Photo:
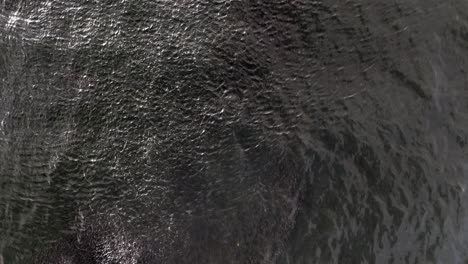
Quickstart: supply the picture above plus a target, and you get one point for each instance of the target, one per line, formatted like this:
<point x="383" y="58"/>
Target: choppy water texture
<point x="153" y="131"/>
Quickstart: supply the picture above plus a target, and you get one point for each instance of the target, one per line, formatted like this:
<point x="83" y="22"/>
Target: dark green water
<point x="140" y="132"/>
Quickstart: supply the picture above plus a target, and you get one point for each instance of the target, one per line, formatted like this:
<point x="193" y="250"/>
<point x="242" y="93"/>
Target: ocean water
<point x="289" y="132"/>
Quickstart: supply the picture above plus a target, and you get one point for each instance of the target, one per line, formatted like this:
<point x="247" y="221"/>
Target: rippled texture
<point x="140" y="132"/>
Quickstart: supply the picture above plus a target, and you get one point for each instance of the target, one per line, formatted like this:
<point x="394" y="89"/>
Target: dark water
<point x="233" y="131"/>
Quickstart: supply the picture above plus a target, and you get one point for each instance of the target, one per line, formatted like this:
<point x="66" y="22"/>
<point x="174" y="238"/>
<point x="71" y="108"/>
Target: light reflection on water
<point x="256" y="132"/>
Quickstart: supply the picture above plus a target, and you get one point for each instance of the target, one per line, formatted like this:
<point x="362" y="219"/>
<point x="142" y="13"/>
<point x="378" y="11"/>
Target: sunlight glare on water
<point x="289" y="132"/>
